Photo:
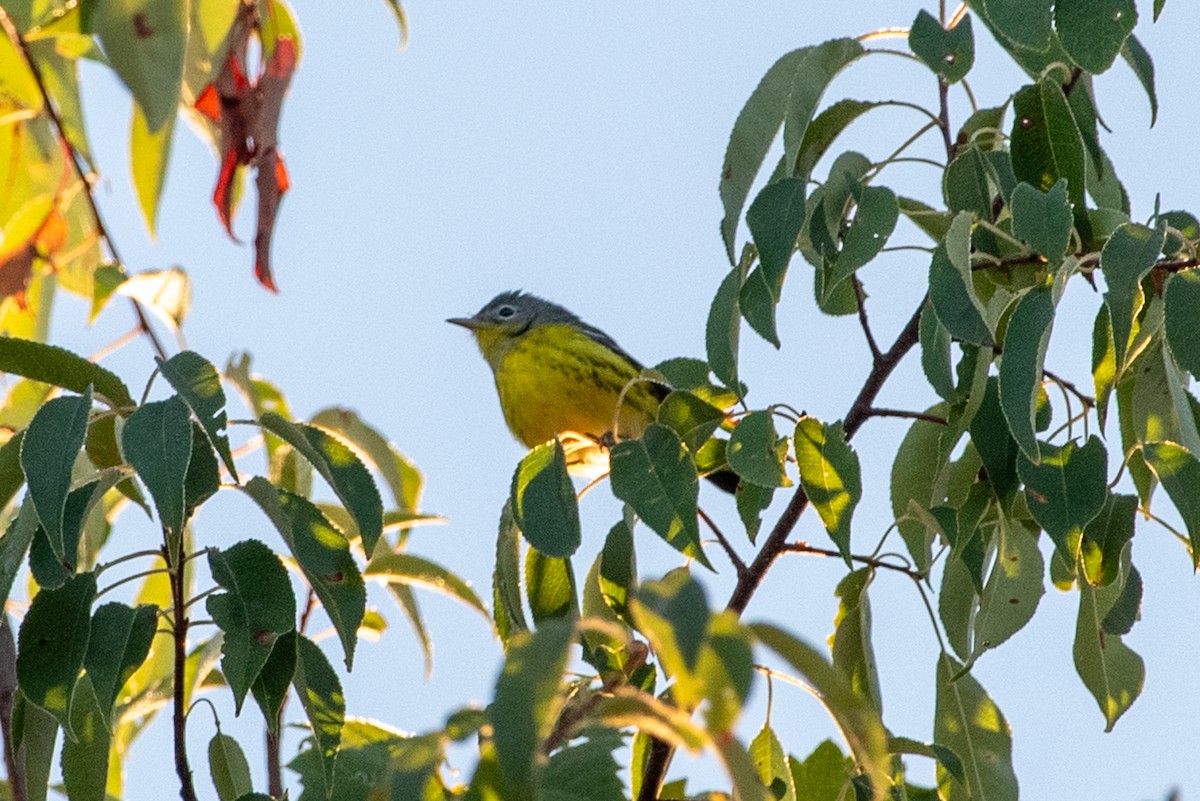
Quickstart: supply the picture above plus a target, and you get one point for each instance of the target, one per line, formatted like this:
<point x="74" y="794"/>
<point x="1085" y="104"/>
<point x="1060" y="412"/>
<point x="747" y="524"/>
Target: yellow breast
<point x="555" y="379"/>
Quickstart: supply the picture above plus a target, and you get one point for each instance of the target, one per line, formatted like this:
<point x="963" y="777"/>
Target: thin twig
<point x="875" y="411"/>
<point x="738" y="565"/>
<point x="860" y="300"/>
<point x="74" y="158"/>
<point x="804" y="547"/>
<point x="187" y="789"/>
<point x="944" y="118"/>
<point x="1085" y="399"/>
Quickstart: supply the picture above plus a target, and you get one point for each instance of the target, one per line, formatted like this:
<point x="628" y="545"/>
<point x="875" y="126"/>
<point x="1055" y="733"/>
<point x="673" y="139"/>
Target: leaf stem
<point x="134" y="577"/>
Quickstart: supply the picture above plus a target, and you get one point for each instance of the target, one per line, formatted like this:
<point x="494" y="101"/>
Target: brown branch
<point x="860" y="300"/>
<point x="738" y="565"/>
<point x="179" y="630"/>
<point x="875" y="411"/>
<point x="1086" y="400"/>
<point x="944" y="119"/>
<point x="13" y="762"/>
<point x="73" y="157"/>
<point x="804" y="547"/>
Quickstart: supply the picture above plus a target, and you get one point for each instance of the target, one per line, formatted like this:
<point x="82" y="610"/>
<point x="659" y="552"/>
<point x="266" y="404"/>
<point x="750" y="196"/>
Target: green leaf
<point x="149" y="153"/>
<point x="257" y="607"/>
<point x="1094" y="31"/>
<point x="656" y="476"/>
<point x="932" y="222"/>
<point x="527" y="702"/>
<point x="320" y="693"/>
<point x="752" y="500"/>
<point x="874" y="220"/>
<point x="14" y="545"/>
<point x="1138" y="58"/>
<point x="52" y="644"/>
<point x="1110" y="669"/>
<point x="1182" y="320"/>
<point x="270" y="689"/>
<point x="851" y="646"/>
<point x="992" y="440"/>
<point x="935" y="353"/>
<point x="543" y="501"/>
<point x="506" y="578"/>
<point x="831" y="477"/>
<point x="756" y="452"/>
<point x="692" y="418"/>
<point x="1014" y="588"/>
<point x="918" y="476"/>
<point x="722" y="330"/>
<point x="48" y="452"/>
<point x="49" y="570"/>
<point x="618" y="569"/>
<point x="550" y="588"/>
<point x="772" y="765"/>
<point x="145" y="41"/>
<point x="1043" y="219"/>
<point x="403" y="568"/>
<point x="399" y="473"/>
<point x="854" y="715"/>
<point x="1066" y="490"/>
<point x="1126" y="258"/>
<point x="967" y="721"/>
<point x="401" y="20"/>
<point x="323" y="555"/>
<point x="1179" y="472"/>
<point x="775" y="219"/>
<point x="1158" y="7"/>
<point x="157" y="441"/>
<point x="34" y="734"/>
<point x="584" y="770"/>
<point x="1104" y="362"/>
<point x="341" y="467"/>
<point x="965" y="184"/>
<point x="823" y="130"/>
<point x="228" y="768"/>
<point x="1022" y="23"/>
<point x="952" y="289"/>
<point x="62" y="368"/>
<point x="1046" y="144"/>
<point x="1104" y="539"/>
<point x="673" y="615"/>
<point x="786" y="96"/>
<point x="949" y="53"/>
<point x="198" y="383"/>
<point x="85" y="755"/>
<point x="823" y="774"/>
<point x="1020" y="381"/>
<point x="119" y="643"/>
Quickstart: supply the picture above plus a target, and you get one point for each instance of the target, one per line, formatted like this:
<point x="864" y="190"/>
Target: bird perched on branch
<point x="557" y="376"/>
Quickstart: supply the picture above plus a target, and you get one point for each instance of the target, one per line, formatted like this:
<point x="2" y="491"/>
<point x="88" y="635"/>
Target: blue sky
<point x="573" y="150"/>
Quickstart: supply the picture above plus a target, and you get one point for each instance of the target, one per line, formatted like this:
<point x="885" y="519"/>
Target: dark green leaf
<point x="752" y="500"/>
<point x="1046" y="144"/>
<point x="48" y="453"/>
<point x="656" y="476"/>
<point x="257" y="607"/>
<point x="320" y="693"/>
<point x="404" y="568"/>
<point x="1127" y="609"/>
<point x="197" y="382"/>
<point x="12" y="477"/>
<point x="1104" y="539"/>
<point x="34" y="734"/>
<point x="1066" y="490"/>
<point x="775" y="219"/>
<point x="722" y="330"/>
<point x="757" y="305"/>
<point x="965" y="184"/>
<point x="1014" y="588"/>
<point x="401" y="476"/>
<point x="1025" y="343"/>
<point x="228" y="768"/>
<point x="14" y="545"/>
<point x="584" y="770"/>
<point x="995" y="445"/>
<point x="684" y="373"/>
<point x="693" y="419"/>
<point x="1094" y="31"/>
<point x="62" y="368"/>
<point x="673" y="614"/>
<point x="932" y="222"/>
<point x="323" y="555"/>
<point x="1182" y="320"/>
<point x="618" y="569"/>
<point x="949" y="53"/>
<point x="145" y="43"/>
<point x="874" y="220"/>
<point x="1143" y="67"/>
<point x="543" y="501"/>
<point x="506" y="579"/>
<point x="952" y="289"/>
<point x="527" y="702"/>
<point x="1127" y="256"/>
<point x="824" y="129"/>
<point x="1179" y="472"/>
<point x="968" y="722"/>
<point x="85" y="755"/>
<point x="157" y="441"/>
<point x="341" y="467"/>
<point x="831" y="477"/>
<point x="53" y="642"/>
<point x="1043" y="219"/>
<point x="270" y="689"/>
<point x="916" y="478"/>
<point x="935" y="353"/>
<point x="756" y="452"/>
<point x="1158" y="7"/>
<point x="1110" y="669"/>
<point x="550" y="588"/>
<point x="119" y="644"/>
<point x="49" y="570"/>
<point x="787" y="95"/>
<point x="851" y="648"/>
<point x="1022" y="23"/>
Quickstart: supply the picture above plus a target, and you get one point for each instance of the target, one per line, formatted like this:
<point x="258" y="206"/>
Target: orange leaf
<point x="209" y="103"/>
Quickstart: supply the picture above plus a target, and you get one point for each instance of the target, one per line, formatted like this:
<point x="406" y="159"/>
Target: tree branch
<point x="179" y="630"/>
<point x="804" y="547"/>
<point x="928" y="418"/>
<point x="860" y="300"/>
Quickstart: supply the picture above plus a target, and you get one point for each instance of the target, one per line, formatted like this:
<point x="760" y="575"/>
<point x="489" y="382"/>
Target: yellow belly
<point x="557" y="380"/>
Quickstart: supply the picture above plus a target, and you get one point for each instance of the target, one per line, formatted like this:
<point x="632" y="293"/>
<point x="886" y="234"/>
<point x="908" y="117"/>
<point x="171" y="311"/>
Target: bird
<point x="557" y="376"/>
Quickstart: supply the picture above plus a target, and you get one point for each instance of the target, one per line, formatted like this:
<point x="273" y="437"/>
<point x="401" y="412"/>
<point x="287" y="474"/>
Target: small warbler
<point x="557" y="376"/>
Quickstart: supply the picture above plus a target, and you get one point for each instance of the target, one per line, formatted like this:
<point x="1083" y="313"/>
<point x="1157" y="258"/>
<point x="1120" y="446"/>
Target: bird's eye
<point x="505" y="312"/>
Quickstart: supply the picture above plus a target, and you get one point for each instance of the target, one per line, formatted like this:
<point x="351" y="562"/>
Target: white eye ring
<point x="505" y="312"/>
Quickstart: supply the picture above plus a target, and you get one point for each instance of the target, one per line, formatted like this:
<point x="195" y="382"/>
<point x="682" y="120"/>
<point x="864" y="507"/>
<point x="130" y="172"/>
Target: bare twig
<point x="738" y="565"/>
<point x="875" y="411"/>
<point x="860" y="300"/>
<point x="14" y="765"/>
<point x="179" y="631"/>
<point x="1085" y="399"/>
<point x="872" y="561"/>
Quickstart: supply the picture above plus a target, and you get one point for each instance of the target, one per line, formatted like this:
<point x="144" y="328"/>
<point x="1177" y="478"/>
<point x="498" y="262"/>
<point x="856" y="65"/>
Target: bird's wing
<point x="596" y="335"/>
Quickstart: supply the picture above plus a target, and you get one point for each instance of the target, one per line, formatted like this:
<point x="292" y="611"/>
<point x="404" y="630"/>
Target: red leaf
<point x="208" y="103"/>
<point x="223" y="194"/>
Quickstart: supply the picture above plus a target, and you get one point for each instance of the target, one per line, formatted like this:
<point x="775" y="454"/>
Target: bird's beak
<point x="472" y="323"/>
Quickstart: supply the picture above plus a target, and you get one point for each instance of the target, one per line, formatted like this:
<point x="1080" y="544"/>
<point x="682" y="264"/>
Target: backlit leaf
<point x="1025" y="343"/>
<point x="1043" y="219"/>
<point x="756" y="452"/>
<point x="53" y="642"/>
<point x="198" y="383"/>
<point x="1066" y="490"/>
<point x="145" y="41"/>
<point x="967" y="721"/>
<point x="1127" y="256"/>
<point x="831" y="477"/>
<point x="320" y="693"/>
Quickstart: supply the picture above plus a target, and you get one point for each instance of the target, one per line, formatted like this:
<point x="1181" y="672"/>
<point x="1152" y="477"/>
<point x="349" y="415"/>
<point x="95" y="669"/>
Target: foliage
<point x="607" y="662"/>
